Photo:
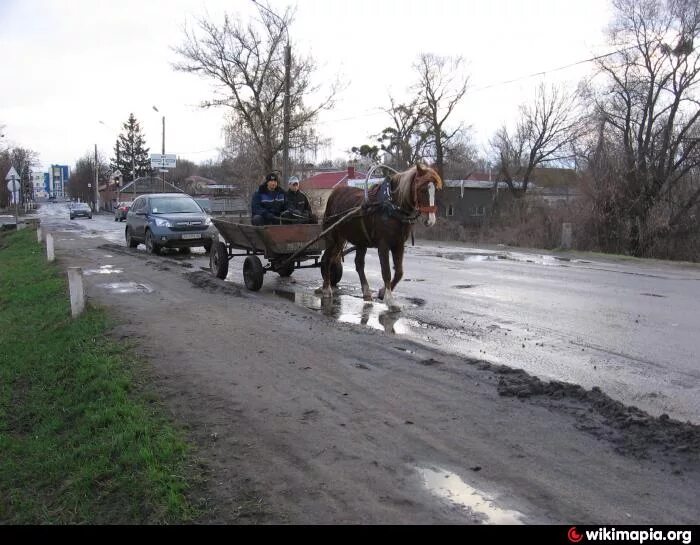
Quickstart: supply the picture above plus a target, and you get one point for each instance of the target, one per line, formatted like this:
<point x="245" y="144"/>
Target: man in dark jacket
<point x="268" y="202"/>
<point x="297" y="208"/>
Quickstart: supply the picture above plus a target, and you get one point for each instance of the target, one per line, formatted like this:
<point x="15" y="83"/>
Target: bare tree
<point x="650" y="142"/>
<point x="247" y="62"/>
<point x="404" y="141"/>
<point x="543" y="135"/>
<point x="83" y="176"/>
<point x="24" y="159"/>
<point x="440" y="87"/>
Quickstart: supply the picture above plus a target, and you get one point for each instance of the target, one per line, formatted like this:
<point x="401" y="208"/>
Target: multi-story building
<point x="38" y="180"/>
<point x="56" y="180"/>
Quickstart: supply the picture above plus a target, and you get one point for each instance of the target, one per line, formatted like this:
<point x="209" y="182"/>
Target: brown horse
<point x="383" y="221"/>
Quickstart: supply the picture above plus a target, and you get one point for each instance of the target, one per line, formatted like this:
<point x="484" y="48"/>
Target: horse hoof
<point x="318" y="291"/>
<point x="380" y="294"/>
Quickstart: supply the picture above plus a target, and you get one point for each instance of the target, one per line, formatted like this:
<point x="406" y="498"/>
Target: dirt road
<point x="300" y="419"/>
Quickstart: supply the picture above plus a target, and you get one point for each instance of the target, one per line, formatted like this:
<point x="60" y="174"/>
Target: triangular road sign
<point x="12" y="174"/>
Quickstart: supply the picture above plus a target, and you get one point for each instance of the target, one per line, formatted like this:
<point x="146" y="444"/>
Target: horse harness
<point x="386" y="206"/>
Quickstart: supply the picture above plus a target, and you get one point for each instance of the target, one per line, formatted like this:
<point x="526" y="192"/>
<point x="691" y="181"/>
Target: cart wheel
<point x="287" y="270"/>
<point x="218" y="260"/>
<point x="253" y="273"/>
<point x="336" y="272"/>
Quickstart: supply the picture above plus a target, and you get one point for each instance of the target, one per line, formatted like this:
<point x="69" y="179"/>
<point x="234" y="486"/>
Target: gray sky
<point x="69" y="64"/>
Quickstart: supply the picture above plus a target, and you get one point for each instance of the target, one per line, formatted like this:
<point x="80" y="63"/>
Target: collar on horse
<point x="385" y="203"/>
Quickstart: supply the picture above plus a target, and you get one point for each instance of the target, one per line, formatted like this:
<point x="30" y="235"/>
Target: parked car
<point x="121" y="210"/>
<point x="80" y="209"/>
<point x="168" y="220"/>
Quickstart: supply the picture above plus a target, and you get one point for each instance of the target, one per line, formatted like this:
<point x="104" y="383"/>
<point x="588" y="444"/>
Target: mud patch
<point x="416" y="301"/>
<point x="632" y="431"/>
<point x="206" y="281"/>
<point x="653" y="295"/>
<point x="464" y="286"/>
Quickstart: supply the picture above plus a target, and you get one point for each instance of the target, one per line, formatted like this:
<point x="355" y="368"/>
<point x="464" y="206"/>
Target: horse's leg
<point x="360" y="253"/>
<point x="385" y="292"/>
<point x="331" y="255"/>
<point x="397" y="256"/>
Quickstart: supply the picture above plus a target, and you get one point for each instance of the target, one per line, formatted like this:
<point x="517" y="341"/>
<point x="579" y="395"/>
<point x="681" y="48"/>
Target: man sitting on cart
<point x="297" y="208"/>
<point x="268" y="202"/>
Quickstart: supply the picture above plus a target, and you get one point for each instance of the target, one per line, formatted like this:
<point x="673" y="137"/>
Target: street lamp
<point x="163" y="152"/>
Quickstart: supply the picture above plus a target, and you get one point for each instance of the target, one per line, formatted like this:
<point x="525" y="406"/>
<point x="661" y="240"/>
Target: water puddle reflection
<point x="449" y="486"/>
<point x="351" y="310"/>
<point x="127" y="287"/>
<point x="104" y="269"/>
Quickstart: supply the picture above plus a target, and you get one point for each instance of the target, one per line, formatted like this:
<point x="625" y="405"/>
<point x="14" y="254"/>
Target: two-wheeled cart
<point x="285" y="247"/>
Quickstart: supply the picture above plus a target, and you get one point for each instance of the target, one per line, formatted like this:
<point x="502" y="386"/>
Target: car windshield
<point x="174" y="205"/>
<point x="81" y="206"/>
<point x="125" y="204"/>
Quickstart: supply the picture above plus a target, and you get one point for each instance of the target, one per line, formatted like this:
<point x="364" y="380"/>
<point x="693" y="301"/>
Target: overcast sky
<point x="69" y="64"/>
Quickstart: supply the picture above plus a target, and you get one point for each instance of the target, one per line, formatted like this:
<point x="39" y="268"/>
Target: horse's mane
<point x="403" y="186"/>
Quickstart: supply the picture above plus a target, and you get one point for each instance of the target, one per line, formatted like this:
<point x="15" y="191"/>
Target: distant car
<point x="168" y="220"/>
<point x="80" y="209"/>
<point x="121" y="210"/>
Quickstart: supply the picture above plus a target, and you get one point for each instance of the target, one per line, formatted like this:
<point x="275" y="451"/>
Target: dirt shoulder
<point x="300" y="419"/>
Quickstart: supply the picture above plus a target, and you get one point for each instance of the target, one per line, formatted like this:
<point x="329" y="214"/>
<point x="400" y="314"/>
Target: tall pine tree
<point x="131" y="144"/>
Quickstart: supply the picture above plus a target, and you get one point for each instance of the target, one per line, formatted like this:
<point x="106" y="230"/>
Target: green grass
<point x="82" y="441"/>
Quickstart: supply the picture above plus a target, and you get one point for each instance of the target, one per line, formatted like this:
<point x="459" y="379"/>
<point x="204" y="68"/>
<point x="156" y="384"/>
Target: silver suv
<point x="168" y="220"/>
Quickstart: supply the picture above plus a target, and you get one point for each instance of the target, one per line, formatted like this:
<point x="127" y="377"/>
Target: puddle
<point x="351" y="310"/>
<point x="104" y="269"/>
<point x="449" y="486"/>
<point x="127" y="287"/>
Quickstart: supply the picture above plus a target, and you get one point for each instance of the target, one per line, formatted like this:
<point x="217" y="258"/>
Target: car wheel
<point x="72" y="218"/>
<point x="116" y="219"/>
<point x="253" y="273"/>
<point x="185" y="250"/>
<point x="151" y="244"/>
<point x="218" y="260"/>
<point x="130" y="242"/>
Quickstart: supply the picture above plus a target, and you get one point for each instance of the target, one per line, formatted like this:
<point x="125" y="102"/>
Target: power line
<point x="491" y="85"/>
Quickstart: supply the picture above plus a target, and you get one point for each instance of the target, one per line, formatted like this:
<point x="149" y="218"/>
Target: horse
<point x="383" y="221"/>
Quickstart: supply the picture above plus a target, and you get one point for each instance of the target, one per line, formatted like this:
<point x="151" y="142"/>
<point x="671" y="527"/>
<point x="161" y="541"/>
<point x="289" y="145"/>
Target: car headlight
<point x="207" y="221"/>
<point x="160" y="222"/>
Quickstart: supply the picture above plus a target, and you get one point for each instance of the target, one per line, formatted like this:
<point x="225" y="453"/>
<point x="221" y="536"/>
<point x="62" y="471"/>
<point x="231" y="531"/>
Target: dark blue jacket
<point x="268" y="204"/>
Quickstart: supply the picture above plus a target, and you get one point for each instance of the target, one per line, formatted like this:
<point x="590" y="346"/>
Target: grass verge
<point x="81" y="442"/>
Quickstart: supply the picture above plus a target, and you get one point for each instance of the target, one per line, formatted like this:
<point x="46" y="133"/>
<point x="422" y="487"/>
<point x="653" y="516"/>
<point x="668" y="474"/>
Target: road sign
<point x="168" y="160"/>
<point x="13" y="180"/>
<point x="13" y="186"/>
<point x="11" y="174"/>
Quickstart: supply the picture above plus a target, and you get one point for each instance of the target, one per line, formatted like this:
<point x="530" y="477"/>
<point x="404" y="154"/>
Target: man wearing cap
<point x="268" y="202"/>
<point x="297" y="208"/>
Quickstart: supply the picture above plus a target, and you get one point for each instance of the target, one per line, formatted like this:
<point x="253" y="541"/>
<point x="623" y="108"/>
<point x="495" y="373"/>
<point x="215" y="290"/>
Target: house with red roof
<point x="319" y="186"/>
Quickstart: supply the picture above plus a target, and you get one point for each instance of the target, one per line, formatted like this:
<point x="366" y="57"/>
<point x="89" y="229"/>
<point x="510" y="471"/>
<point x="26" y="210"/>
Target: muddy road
<point x="300" y="415"/>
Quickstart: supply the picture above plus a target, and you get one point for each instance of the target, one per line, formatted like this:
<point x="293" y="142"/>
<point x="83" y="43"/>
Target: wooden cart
<point x="285" y="247"/>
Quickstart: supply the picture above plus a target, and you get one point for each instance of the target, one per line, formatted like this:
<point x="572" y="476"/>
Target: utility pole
<point x="287" y="77"/>
<point x="97" y="189"/>
<point x="163" y="152"/>
<point x="287" y="85"/>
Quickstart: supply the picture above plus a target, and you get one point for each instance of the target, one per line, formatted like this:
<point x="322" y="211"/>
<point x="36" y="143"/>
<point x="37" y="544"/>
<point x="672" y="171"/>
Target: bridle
<point x="431" y="207"/>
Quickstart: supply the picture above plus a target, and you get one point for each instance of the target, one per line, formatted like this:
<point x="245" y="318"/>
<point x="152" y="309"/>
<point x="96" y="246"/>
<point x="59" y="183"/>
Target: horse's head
<point x="425" y="182"/>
